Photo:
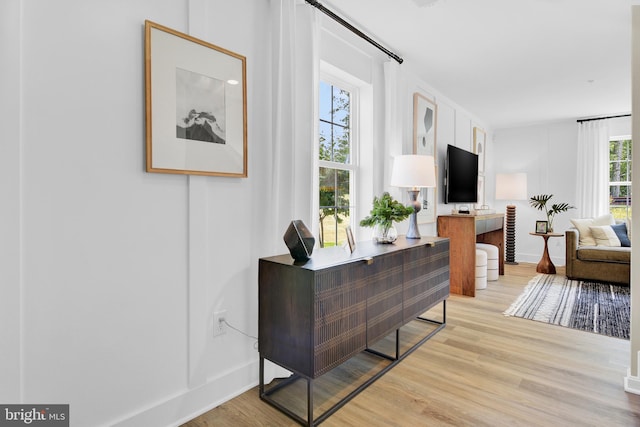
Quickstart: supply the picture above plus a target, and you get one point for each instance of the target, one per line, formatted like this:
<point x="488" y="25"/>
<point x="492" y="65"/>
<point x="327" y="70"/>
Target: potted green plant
<point x="540" y="202"/>
<point x="386" y="210"/>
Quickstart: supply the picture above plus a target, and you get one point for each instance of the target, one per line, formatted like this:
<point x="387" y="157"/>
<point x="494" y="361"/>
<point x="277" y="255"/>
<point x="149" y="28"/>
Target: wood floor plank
<point x="482" y="369"/>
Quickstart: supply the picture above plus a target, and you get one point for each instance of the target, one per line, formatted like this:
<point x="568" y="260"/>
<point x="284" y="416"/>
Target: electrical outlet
<point x="219" y="325"/>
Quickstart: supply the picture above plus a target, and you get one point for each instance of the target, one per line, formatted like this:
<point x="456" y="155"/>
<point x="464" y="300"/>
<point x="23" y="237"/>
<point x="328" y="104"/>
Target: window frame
<point x="629" y="183"/>
<point x="353" y="165"/>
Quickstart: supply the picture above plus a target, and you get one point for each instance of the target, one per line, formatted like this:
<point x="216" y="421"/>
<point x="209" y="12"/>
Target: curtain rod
<point x="353" y="29"/>
<point x="603" y="118"/>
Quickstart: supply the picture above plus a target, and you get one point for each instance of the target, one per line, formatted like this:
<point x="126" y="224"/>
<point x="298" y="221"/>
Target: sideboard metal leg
<point x="310" y="402"/>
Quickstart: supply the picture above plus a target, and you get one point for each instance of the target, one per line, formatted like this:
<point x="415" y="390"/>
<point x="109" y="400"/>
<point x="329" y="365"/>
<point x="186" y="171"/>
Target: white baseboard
<point x="185" y="406"/>
<point x="631" y="383"/>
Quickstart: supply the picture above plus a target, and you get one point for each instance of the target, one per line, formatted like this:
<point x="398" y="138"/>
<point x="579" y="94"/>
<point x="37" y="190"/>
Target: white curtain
<point x="592" y="198"/>
<point x="392" y="126"/>
<point x="295" y="81"/>
<point x="295" y="74"/>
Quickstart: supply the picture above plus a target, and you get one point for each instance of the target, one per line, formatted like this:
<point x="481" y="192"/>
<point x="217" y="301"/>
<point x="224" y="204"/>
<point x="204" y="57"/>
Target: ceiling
<point x="509" y="62"/>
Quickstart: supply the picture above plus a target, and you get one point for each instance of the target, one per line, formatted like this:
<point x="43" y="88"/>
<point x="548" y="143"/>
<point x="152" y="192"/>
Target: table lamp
<point x="510" y="187"/>
<point x="414" y="172"/>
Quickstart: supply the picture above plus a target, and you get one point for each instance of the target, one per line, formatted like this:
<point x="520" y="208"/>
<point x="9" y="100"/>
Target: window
<point x="337" y="166"/>
<point x="620" y="177"/>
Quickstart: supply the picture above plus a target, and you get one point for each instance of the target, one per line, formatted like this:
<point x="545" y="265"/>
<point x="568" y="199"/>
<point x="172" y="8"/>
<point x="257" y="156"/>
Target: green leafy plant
<point x="385" y="211"/>
<point x="540" y="202"/>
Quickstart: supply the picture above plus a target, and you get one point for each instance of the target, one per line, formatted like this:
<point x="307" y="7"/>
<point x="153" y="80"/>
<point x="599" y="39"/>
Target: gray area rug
<point x="601" y="308"/>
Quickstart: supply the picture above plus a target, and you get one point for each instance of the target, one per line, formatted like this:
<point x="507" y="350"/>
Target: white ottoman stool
<point x="492" y="260"/>
<point x="481" y="269"/>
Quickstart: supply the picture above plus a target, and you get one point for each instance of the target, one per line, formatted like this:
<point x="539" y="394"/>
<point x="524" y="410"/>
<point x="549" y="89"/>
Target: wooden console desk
<point x="463" y="232"/>
<point x="315" y="315"/>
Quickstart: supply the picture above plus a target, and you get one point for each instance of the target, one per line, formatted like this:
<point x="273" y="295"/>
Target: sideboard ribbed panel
<point x="426" y="278"/>
<point x="340" y="316"/>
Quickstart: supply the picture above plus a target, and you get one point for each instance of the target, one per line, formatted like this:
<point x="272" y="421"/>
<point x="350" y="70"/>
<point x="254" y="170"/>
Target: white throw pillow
<point x="604" y="235"/>
<point x="586" y="238"/>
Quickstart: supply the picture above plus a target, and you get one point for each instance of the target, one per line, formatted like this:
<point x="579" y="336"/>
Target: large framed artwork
<point x="196" y="105"/>
<point x="479" y="147"/>
<point x="425" y="114"/>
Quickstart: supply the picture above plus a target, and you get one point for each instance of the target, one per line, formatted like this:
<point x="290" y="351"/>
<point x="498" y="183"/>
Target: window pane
<point x="340" y="145"/>
<point x="327" y="185"/>
<point x="620" y="194"/>
<point x="334" y="124"/>
<point x="334" y="146"/>
<point x="342" y="180"/>
<point x="334" y="206"/>
<point x="341" y="107"/>
<point x="327" y="227"/>
<point x="615" y="150"/>
<point x="326" y="140"/>
<point x="325" y="101"/>
<point x="615" y="171"/>
<point x="620" y="175"/>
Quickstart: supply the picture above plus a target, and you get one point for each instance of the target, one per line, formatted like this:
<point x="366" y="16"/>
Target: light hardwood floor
<point x="482" y="369"/>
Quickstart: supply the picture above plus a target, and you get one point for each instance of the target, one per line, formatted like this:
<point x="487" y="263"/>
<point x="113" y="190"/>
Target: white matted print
<point x="425" y="115"/>
<point x="196" y="107"/>
<point x="480" y="147"/>
<point x="428" y="200"/>
<point x="481" y="192"/>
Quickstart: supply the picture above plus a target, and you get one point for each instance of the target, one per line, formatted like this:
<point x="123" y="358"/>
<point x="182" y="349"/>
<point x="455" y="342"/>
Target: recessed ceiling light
<point x="233" y="82"/>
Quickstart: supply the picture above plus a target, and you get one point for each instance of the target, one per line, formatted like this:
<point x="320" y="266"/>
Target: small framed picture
<point x="350" y="240"/>
<point x="541" y="227"/>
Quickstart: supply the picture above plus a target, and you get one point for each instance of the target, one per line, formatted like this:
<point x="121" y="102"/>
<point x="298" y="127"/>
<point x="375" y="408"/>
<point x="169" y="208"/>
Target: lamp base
<point x="510" y="247"/>
<point x="414" y="232"/>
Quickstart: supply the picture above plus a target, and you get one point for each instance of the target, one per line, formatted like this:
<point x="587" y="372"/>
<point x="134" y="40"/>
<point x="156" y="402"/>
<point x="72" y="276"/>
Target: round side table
<point x="545" y="265"/>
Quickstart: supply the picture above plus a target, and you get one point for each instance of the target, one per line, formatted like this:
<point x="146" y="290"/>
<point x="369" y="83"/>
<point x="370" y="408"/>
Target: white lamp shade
<point x="511" y="186"/>
<point x="413" y="171"/>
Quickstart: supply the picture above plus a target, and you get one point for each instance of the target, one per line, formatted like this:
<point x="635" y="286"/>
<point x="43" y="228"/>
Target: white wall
<point x="97" y="293"/>
<point x="546" y="153"/>
<point x="110" y="275"/>
<point x="10" y="225"/>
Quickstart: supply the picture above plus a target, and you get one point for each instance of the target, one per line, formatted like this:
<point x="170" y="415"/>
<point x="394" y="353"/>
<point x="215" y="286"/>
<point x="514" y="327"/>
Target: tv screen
<point x="461" y="176"/>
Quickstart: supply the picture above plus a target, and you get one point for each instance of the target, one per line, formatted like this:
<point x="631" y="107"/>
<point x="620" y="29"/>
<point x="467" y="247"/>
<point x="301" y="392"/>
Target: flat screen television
<point x="461" y="176"/>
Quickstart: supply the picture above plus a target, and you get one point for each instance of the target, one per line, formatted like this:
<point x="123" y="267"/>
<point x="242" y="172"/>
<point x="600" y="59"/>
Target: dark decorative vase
<point x="299" y="240"/>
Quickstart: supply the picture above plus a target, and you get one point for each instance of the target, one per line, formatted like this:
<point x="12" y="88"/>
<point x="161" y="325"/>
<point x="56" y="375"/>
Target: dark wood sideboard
<point x="315" y="315"/>
<point x="464" y="231"/>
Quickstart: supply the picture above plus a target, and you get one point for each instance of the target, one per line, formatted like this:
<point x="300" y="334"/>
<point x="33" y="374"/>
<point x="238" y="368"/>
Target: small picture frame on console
<point x="350" y="240"/>
<point x="541" y="227"/>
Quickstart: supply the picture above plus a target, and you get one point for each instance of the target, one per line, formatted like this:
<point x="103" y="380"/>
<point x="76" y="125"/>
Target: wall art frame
<point x="480" y="147"/>
<point x="196" y="105"/>
<point x="425" y="124"/>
